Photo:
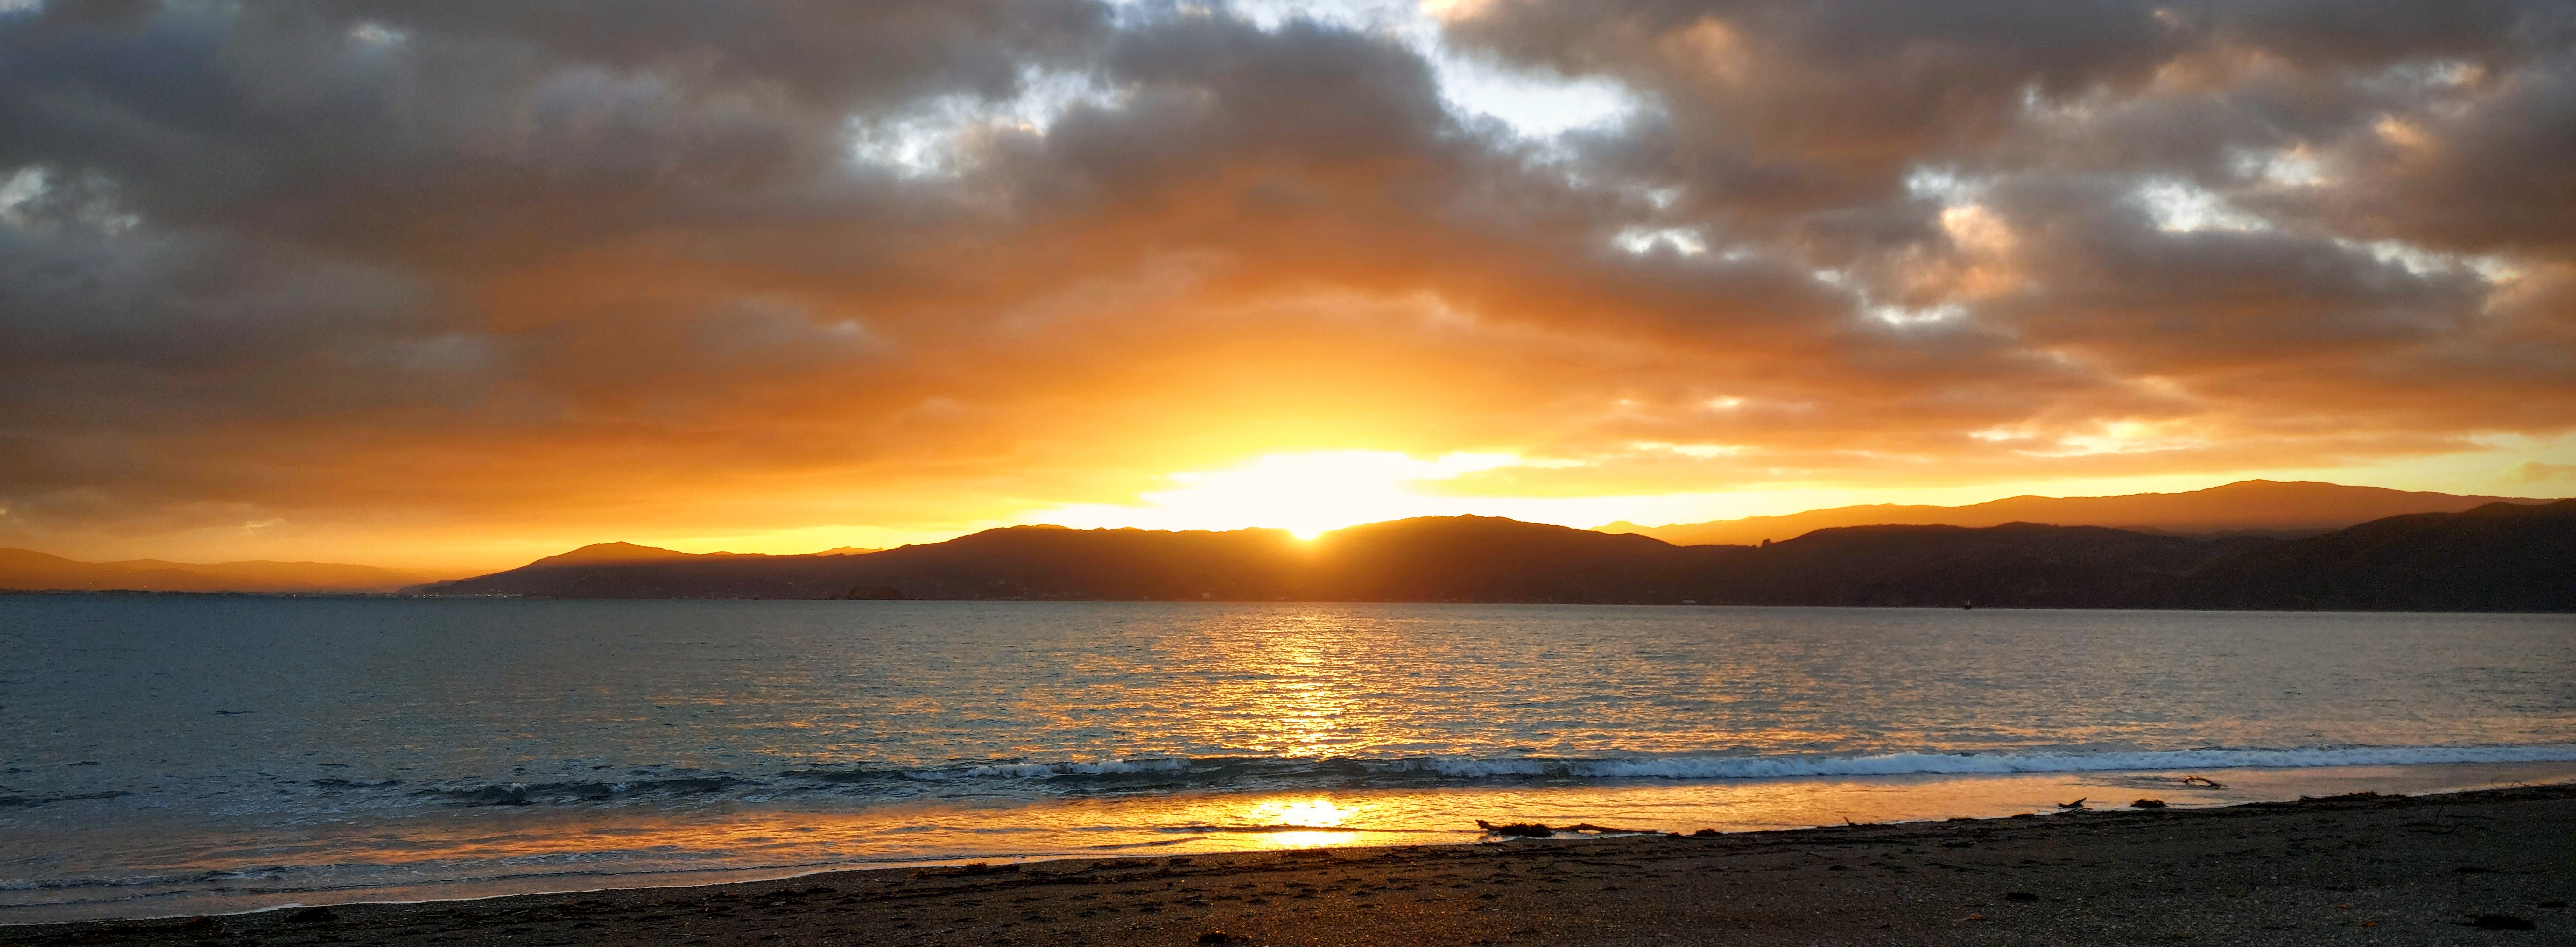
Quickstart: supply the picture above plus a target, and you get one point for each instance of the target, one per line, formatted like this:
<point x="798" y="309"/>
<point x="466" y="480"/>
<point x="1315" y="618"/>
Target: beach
<point x="2482" y="867"/>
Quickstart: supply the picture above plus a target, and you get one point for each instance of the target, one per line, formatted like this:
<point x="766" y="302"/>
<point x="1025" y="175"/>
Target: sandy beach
<point x="2486" y="867"/>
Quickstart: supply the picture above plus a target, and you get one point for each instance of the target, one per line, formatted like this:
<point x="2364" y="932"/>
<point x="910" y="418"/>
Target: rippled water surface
<point x="166" y="754"/>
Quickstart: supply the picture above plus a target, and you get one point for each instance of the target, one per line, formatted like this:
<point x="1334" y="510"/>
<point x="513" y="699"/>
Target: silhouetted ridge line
<point x="2249" y="507"/>
<point x="2497" y="557"/>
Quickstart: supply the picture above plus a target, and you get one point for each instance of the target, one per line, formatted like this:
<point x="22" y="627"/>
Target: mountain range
<point x="2495" y="557"/>
<point x="2248" y="507"/>
<point x="2255" y="544"/>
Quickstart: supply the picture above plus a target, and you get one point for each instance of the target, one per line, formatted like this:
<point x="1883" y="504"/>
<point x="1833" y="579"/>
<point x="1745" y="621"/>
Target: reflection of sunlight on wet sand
<point x="541" y="843"/>
<point x="1312" y="839"/>
<point x="487" y="851"/>
<point x="1309" y="813"/>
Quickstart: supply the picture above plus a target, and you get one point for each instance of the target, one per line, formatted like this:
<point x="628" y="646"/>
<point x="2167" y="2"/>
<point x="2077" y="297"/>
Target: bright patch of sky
<point x="939" y="136"/>
<point x="30" y="184"/>
<point x="25" y="184"/>
<point x="1888" y="313"/>
<point x="1686" y="241"/>
<point x="2287" y="167"/>
<point x="1915" y="315"/>
<point x="1944" y="184"/>
<point x="377" y="34"/>
<point x="1534" y="104"/>
<point x="2183" y="207"/>
<point x="2422" y="262"/>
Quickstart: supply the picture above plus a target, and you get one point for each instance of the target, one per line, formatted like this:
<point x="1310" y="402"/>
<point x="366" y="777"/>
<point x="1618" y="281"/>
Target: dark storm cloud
<point x="738" y="262"/>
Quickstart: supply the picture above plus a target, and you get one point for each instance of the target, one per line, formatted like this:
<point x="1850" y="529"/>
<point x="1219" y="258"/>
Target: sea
<point x="186" y="755"/>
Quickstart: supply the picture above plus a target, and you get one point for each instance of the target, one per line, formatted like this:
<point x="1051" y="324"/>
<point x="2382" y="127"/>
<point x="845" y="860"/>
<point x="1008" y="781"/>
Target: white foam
<point x="1762" y="767"/>
<point x="1044" y="770"/>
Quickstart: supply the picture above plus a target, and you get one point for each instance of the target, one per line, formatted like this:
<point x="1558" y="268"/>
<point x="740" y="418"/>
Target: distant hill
<point x="30" y="570"/>
<point x="2496" y="557"/>
<point x="2014" y="564"/>
<point x="597" y="553"/>
<point x="2261" y="507"/>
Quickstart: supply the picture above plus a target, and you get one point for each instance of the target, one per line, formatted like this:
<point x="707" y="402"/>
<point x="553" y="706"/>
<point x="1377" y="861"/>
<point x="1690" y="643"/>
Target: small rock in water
<point x="1517" y="829"/>
<point x="2148" y="804"/>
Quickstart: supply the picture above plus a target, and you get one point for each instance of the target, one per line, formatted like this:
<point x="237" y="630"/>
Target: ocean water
<point x="175" y="755"/>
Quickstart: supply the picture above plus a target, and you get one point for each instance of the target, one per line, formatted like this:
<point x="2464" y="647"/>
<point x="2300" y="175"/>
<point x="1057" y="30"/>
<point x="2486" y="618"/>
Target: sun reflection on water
<point x="1295" y="686"/>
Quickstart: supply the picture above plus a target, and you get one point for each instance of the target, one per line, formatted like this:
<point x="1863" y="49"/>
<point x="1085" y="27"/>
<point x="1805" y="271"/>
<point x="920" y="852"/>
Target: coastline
<point x="2007" y="607"/>
<point x="2365" y="869"/>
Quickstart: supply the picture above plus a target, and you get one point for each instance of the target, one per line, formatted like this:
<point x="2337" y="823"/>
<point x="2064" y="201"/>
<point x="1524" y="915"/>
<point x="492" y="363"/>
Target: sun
<point x="1307" y="494"/>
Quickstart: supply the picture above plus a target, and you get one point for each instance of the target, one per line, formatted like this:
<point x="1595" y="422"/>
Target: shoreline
<point x="2348" y="869"/>
<point x="516" y="597"/>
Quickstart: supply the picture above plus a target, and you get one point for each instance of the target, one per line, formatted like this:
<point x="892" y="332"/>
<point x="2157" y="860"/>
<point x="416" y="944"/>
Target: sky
<point x="450" y="286"/>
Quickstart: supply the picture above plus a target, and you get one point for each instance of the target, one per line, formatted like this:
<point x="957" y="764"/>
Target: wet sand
<point x="2464" y="868"/>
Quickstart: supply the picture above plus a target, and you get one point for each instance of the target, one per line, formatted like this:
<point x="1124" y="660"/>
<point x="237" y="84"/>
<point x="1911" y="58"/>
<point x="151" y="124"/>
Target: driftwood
<point x="2077" y="804"/>
<point x="2148" y="804"/>
<point x="2202" y="781"/>
<point x="1542" y="830"/>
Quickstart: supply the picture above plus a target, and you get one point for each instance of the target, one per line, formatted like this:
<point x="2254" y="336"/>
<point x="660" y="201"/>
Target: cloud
<point x="447" y="271"/>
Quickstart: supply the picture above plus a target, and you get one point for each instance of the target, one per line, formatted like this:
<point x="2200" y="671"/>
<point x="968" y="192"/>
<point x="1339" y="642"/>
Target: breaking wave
<point x="1253" y="773"/>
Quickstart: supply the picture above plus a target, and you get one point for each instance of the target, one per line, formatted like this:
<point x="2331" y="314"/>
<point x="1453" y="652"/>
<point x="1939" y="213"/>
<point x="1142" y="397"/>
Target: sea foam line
<point x="1892" y="764"/>
<point x="1762" y="767"/>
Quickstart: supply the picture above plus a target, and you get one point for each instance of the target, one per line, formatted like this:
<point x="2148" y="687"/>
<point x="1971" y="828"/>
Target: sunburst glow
<point x="1306" y="494"/>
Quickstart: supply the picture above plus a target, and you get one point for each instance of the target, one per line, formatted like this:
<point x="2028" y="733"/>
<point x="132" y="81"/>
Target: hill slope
<point x="2498" y="557"/>
<point x="2261" y="506"/>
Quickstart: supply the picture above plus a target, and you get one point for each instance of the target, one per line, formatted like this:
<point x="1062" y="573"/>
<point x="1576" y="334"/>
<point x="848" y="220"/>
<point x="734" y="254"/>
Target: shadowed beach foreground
<point x="2485" y="867"/>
